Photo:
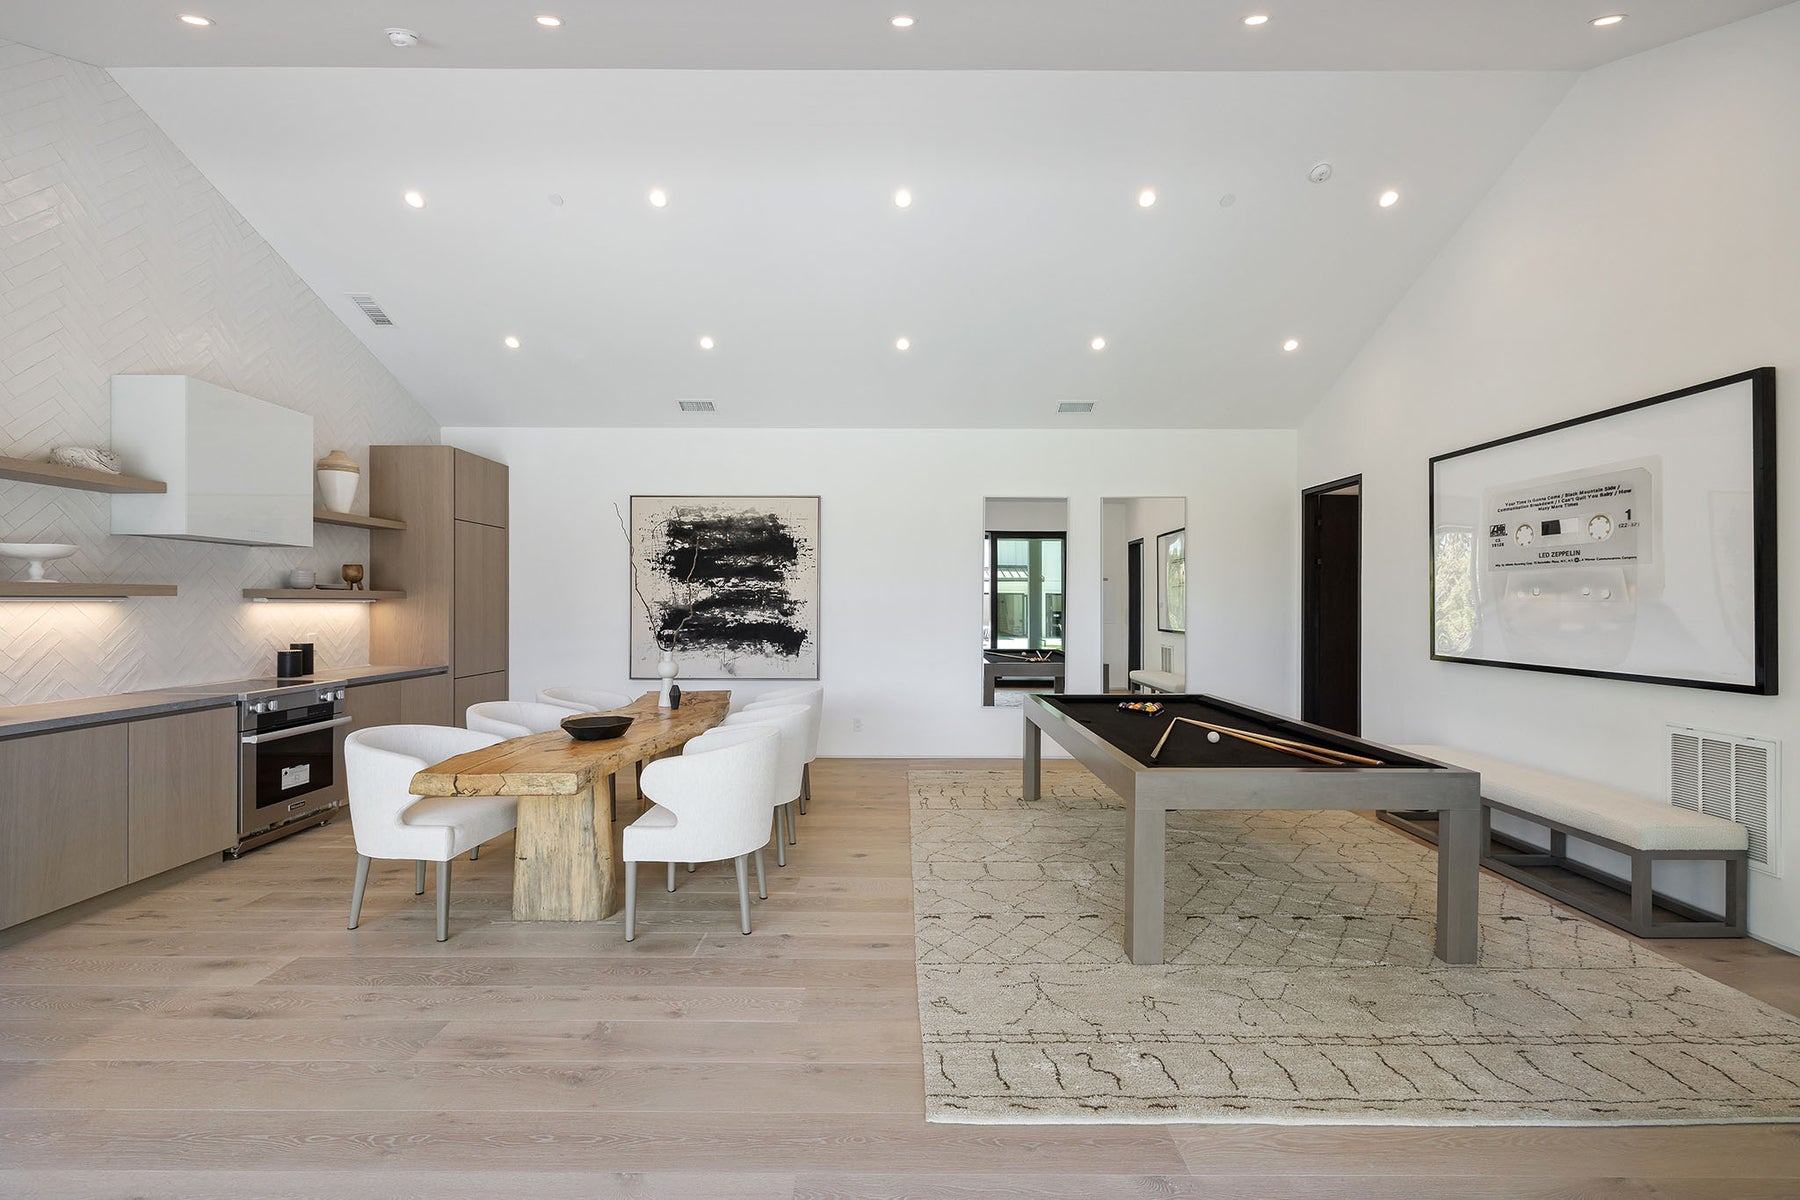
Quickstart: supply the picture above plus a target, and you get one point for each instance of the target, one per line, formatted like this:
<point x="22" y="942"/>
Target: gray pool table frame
<point x="1150" y="793"/>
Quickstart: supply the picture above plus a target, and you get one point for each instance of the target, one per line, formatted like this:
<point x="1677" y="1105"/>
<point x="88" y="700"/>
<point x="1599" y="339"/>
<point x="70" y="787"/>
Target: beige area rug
<point x="1299" y="985"/>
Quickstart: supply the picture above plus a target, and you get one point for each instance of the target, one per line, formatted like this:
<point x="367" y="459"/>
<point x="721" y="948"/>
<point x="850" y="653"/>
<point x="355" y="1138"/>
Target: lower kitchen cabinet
<point x="62" y="819"/>
<point x="478" y="689"/>
<point x="181" y="789"/>
<point x="375" y="704"/>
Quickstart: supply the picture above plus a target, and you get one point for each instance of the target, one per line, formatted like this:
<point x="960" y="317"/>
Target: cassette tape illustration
<point x="1569" y="560"/>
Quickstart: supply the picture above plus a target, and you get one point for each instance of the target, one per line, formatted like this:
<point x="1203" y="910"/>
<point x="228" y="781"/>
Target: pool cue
<point x="1343" y="754"/>
<point x="1243" y="737"/>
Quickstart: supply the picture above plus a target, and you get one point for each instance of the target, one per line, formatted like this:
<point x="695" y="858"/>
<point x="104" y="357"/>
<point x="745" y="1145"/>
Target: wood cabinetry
<point x="451" y="560"/>
<point x="62" y="819"/>
<point x="181" y="789"/>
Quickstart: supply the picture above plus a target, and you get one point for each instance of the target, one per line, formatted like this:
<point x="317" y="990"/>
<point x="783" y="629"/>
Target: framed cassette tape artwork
<point x="1636" y="543"/>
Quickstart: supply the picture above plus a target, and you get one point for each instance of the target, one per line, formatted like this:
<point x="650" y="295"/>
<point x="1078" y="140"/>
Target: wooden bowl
<point x="594" y="727"/>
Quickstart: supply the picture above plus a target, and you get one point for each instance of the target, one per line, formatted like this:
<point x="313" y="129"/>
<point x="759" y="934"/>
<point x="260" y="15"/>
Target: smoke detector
<point x="402" y="38"/>
<point x="1320" y="173"/>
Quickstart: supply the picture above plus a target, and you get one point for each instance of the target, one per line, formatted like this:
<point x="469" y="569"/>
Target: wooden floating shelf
<point x="14" y="590"/>
<point x="355" y="520"/>
<point x="338" y="594"/>
<point x="80" y="478"/>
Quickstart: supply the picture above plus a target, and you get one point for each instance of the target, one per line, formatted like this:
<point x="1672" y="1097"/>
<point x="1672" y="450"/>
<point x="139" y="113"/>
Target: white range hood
<point x="239" y="469"/>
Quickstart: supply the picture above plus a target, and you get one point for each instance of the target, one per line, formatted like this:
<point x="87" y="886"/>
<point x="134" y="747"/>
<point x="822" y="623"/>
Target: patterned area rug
<point x="1299" y="985"/>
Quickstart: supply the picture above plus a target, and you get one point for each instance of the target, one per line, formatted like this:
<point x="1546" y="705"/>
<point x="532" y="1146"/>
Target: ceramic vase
<point x="667" y="668"/>
<point x="337" y="474"/>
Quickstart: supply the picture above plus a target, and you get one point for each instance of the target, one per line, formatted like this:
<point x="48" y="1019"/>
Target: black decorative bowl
<point x="595" y="727"/>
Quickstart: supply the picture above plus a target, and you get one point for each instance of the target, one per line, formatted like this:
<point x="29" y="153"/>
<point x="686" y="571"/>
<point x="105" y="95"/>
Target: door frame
<point x="1134" y="607"/>
<point x="1309" y="606"/>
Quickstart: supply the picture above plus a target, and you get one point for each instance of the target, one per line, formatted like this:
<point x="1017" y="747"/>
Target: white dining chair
<point x="813" y="696"/>
<point x="522" y="718"/>
<point x="709" y="804"/>
<point x="791" y="720"/>
<point x="389" y="821"/>
<point x="583" y="699"/>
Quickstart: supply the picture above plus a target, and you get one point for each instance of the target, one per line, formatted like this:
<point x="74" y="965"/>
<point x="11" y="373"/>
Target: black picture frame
<point x="1763" y="600"/>
<point x="1171" y="617"/>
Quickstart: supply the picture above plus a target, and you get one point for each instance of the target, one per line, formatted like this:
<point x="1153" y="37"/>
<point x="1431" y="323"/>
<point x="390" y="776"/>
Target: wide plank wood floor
<point x="218" y="1033"/>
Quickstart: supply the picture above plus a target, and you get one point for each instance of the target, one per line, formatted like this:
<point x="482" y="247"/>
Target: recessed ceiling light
<point x="1098" y="343"/>
<point x="1389" y="198"/>
<point x="1257" y="19"/>
<point x="414" y="199"/>
<point x="193" y="19"/>
<point x="549" y="22"/>
<point x="903" y="199"/>
<point x="706" y="343"/>
<point x="1146" y="198"/>
<point x="1609" y="19"/>
<point x="1291" y="345"/>
<point x="659" y="198"/>
<point x="903" y="343"/>
<point x="510" y="342"/>
<point x="902" y="22"/>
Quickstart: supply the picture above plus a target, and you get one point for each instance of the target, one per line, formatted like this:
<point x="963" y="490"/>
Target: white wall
<point x="1648" y="239"/>
<point x="902" y="520"/>
<point x="117" y="256"/>
<point x="1013" y="515"/>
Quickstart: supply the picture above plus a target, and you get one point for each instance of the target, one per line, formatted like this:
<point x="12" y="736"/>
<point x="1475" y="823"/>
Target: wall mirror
<point x="1023" y="598"/>
<point x="1144" y="553"/>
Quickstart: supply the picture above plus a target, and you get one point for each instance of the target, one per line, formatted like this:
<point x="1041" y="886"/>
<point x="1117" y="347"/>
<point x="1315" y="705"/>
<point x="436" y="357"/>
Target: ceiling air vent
<point x="695" y="405"/>
<point x="370" y="309"/>
<point x="1075" y="406"/>
<point x="1737" y="778"/>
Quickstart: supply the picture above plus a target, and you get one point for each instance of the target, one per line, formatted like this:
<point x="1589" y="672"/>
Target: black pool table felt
<point x="1136" y="734"/>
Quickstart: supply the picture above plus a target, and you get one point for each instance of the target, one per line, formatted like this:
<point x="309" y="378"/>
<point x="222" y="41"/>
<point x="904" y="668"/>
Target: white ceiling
<point x="781" y="239"/>
<point x="1125" y="35"/>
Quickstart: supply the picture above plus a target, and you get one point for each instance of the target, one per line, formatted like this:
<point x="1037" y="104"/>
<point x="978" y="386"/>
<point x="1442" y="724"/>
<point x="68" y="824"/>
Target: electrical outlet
<point x="855" y="724"/>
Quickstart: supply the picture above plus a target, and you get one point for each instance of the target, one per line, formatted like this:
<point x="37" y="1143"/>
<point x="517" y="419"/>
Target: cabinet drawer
<point x="62" y="819"/>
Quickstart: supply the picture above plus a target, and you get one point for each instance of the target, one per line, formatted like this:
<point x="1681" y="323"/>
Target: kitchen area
<point x="102" y="791"/>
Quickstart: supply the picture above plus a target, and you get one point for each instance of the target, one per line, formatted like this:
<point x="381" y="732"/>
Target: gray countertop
<point x="20" y="720"/>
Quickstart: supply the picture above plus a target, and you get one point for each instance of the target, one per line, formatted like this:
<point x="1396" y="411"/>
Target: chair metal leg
<point x="779" y="840"/>
<point x="793" y="823"/>
<point x="474" y="853"/>
<point x="692" y="867"/>
<point x="419" y="879"/>
<point x="743" y="893"/>
<point x="443" y="881"/>
<point x="356" y="892"/>
<point x="671" y="877"/>
<point x="630" y="900"/>
<point x="805" y="787"/>
<point x="762" y="885"/>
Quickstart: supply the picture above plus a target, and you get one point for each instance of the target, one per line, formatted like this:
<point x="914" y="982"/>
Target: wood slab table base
<point x="1230" y="774"/>
<point x="563" y="865"/>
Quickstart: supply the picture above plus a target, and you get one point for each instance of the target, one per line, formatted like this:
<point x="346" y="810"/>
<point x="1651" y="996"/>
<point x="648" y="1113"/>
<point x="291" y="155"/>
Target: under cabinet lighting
<point x="63" y="599"/>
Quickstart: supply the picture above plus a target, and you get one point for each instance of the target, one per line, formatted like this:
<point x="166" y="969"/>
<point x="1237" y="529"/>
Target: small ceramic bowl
<point x="594" y="727"/>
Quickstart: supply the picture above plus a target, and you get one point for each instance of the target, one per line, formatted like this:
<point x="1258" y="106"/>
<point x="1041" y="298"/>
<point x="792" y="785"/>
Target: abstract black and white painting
<point x="732" y="582"/>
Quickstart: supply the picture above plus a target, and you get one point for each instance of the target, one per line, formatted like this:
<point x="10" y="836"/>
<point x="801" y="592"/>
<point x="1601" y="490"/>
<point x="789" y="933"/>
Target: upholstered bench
<point x="1642" y="829"/>
<point x="1157" y="681"/>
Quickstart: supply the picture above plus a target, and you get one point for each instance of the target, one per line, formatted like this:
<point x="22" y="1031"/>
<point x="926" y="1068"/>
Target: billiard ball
<point x="1212" y="735"/>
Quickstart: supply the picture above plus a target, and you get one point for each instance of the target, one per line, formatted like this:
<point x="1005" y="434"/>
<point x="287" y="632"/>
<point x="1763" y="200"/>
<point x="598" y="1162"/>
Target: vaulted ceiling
<point x="781" y="241"/>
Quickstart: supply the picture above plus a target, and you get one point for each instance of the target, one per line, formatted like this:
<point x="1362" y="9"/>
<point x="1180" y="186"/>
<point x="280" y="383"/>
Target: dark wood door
<point x="1134" y="608"/>
<point x="1331" y="691"/>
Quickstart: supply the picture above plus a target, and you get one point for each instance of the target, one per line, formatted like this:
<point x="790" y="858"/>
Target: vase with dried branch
<point x="668" y="637"/>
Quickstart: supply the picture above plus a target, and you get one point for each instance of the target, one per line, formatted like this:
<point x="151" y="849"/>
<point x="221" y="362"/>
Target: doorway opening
<point x="1331" y="605"/>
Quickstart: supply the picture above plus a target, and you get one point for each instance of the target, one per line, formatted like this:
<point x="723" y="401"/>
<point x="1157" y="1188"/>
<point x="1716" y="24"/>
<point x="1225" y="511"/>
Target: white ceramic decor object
<point x="338" y="475"/>
<point x="37" y="554"/>
<point x="668" y="668"/>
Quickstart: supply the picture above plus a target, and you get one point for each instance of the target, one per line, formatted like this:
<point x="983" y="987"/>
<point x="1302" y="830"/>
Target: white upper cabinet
<point x="238" y="469"/>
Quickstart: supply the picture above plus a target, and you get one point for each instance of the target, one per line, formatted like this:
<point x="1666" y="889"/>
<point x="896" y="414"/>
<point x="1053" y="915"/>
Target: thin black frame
<point x="992" y="537"/>
<point x="1764" y="558"/>
<point x="1309" y="617"/>
<point x="1162" y="582"/>
<point x="632" y="600"/>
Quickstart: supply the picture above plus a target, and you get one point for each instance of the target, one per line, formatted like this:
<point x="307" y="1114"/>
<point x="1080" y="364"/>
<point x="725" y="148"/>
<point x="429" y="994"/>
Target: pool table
<point x="1019" y="664"/>
<point x="1193" y="773"/>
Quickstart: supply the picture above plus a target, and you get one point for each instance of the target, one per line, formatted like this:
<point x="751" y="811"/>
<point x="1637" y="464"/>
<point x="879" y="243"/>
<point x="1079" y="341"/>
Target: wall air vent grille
<point x="370" y="309"/>
<point x="695" y="405"/>
<point x="1075" y="406"/>
<point x="1737" y="778"/>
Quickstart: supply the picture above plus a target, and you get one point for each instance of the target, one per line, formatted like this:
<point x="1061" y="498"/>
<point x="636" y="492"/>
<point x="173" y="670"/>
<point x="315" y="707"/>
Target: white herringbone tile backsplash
<point x="117" y="256"/>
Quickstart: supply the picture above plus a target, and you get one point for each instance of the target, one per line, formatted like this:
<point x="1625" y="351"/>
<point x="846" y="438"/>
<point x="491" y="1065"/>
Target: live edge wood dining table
<point x="564" y="867"/>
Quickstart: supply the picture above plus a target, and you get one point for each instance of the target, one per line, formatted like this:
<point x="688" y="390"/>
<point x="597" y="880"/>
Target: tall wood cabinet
<point x="451" y="560"/>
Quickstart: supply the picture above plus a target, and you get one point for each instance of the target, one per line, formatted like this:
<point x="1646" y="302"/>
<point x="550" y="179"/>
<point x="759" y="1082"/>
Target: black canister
<point x="306" y="656"/>
<point x="287" y="664"/>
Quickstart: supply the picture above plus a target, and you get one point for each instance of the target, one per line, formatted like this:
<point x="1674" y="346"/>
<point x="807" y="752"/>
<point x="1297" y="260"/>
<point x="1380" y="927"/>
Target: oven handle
<point x="257" y="739"/>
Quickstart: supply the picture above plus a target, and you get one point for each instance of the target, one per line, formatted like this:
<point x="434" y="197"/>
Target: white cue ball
<point x="1212" y="735"/>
